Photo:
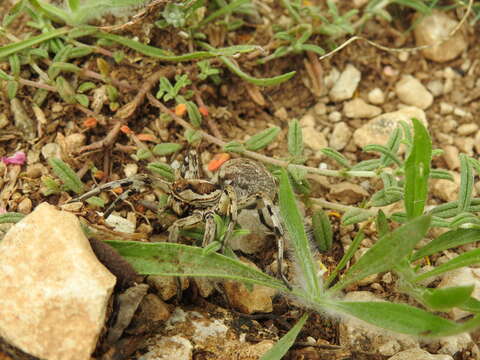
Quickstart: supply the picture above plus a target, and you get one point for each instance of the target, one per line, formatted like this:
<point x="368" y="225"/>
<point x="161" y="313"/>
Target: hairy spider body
<point x="240" y="183"/>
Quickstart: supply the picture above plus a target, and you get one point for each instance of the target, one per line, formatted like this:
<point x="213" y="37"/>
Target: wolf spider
<point x="239" y="184"/>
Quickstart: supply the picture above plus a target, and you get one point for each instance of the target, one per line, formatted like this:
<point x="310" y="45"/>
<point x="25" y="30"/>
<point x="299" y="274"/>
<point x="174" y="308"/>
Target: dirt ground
<point x="237" y="110"/>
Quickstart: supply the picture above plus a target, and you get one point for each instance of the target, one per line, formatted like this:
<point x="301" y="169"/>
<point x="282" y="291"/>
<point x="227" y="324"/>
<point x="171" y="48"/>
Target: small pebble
<point x="3" y="120"/>
<point x="130" y="169"/>
<point x="412" y="92"/>
<point x="281" y="114"/>
<point x="34" y="171"/>
<point x="376" y="96"/>
<point x="335" y="116"/>
<point x="467" y="129"/>
<point x="446" y="108"/>
<point x="346" y="84"/>
<point x="435" y="87"/>
<point x="460" y="112"/>
<point x="358" y="108"/>
<point x="464" y="144"/>
<point x="51" y="150"/>
<point x="320" y="109"/>
<point x="450" y="156"/>
<point x="314" y="139"/>
<point x="307" y="120"/>
<point x="340" y="136"/>
<point x="25" y="206"/>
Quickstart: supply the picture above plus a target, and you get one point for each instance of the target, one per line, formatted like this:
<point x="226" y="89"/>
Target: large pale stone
<point x="378" y="130"/>
<point x="434" y="29"/>
<point x="412" y="92"/>
<point x="53" y="291"/>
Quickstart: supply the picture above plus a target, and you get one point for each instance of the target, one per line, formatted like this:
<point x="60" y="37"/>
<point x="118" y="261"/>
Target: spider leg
<point x="228" y="205"/>
<point x="123" y="196"/>
<point x="275" y="227"/>
<point x="174" y="229"/>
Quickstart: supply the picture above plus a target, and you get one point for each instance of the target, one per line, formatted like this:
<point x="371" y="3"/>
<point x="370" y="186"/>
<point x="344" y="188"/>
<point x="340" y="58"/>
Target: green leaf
<point x="67" y="175"/>
<point x="448" y="240"/>
<point x="162" y="169"/>
<point x="18" y="46"/>
<point x="386" y="152"/>
<point x="295" y="231"/>
<point x="166" y="148"/>
<point x="262" y="139"/>
<point x="322" y="230"/>
<point x="382" y="224"/>
<point x="355" y="215"/>
<point x="169" y="259"/>
<point x="59" y="66"/>
<point x="466" y="183"/>
<point x="84" y="87"/>
<point x="193" y="114"/>
<point x="223" y="10"/>
<point x="234" y="146"/>
<point x="446" y="298"/>
<point x="402" y="318"/>
<point x="82" y="99"/>
<point x="466" y="259"/>
<point x="417" y="169"/>
<point x="5" y="76"/>
<point x="338" y="157"/>
<point x="11" y="217"/>
<point x="441" y="174"/>
<point x="192" y="136"/>
<point x="367" y="165"/>
<point x="96" y="201"/>
<point x="12" y="14"/>
<point x="295" y="139"/>
<point x="65" y="90"/>
<point x="143" y="154"/>
<point x="12" y="88"/>
<point x="278" y="351"/>
<point x="387" y="251"/>
<point x="15" y="66"/>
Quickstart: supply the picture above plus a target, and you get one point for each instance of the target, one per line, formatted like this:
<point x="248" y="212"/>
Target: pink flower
<point x="17" y="159"/>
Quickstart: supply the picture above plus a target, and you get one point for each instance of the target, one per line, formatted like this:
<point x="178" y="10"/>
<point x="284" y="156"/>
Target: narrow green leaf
<point x="386" y="152"/>
<point x="393" y="145"/>
<point x="194" y="114"/>
<point x="18" y="46"/>
<point x="387" y="251"/>
<point x="356" y="215"/>
<point x="234" y="146"/>
<point x="441" y="174"/>
<point x="224" y="10"/>
<point x="448" y="240"/>
<point x="295" y="231"/>
<point x="12" y="88"/>
<point x="295" y="138"/>
<point x="256" y="81"/>
<point x="262" y="139"/>
<point x="166" y="148"/>
<point x="278" y="351"/>
<point x="143" y="154"/>
<point x="450" y="209"/>
<point x="5" y="76"/>
<point x="338" y="157"/>
<point x="15" y="66"/>
<point x="162" y="169"/>
<point x="367" y="165"/>
<point x="417" y="169"/>
<point x="400" y="318"/>
<point x="381" y="223"/>
<point x="169" y="259"/>
<point x="82" y="99"/>
<point x="346" y="257"/>
<point x="67" y="175"/>
<point x="466" y="183"/>
<point x="84" y="87"/>
<point x="12" y="14"/>
<point x="322" y="230"/>
<point x="446" y="298"/>
<point x="11" y="217"/>
<point x="466" y="259"/>
<point x="96" y="201"/>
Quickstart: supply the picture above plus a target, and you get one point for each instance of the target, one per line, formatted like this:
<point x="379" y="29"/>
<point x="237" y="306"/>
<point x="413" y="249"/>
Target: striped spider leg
<point x="255" y="187"/>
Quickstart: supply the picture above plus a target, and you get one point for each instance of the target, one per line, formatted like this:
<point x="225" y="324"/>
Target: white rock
<point x="341" y="134"/>
<point x="376" y="96"/>
<point x="464" y="144"/>
<point x="378" y="130"/>
<point x="331" y="77"/>
<point x="166" y="348"/>
<point x="307" y="120"/>
<point x="451" y="157"/>
<point x="411" y="91"/>
<point x="120" y="224"/>
<point x="51" y="150"/>
<point x="434" y="29"/>
<point x="249" y="302"/>
<point x="446" y="190"/>
<point x="130" y="169"/>
<point x="467" y="129"/>
<point x="53" y="291"/>
<point x="435" y="87"/>
<point x="320" y="109"/>
<point x="418" y="354"/>
<point x="314" y="139"/>
<point x="346" y="84"/>
<point x="461" y="277"/>
<point x="446" y="108"/>
<point x="358" y="108"/>
<point x="477" y="142"/>
<point x="356" y="335"/>
<point x="450" y="345"/>
<point x="335" y="116"/>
